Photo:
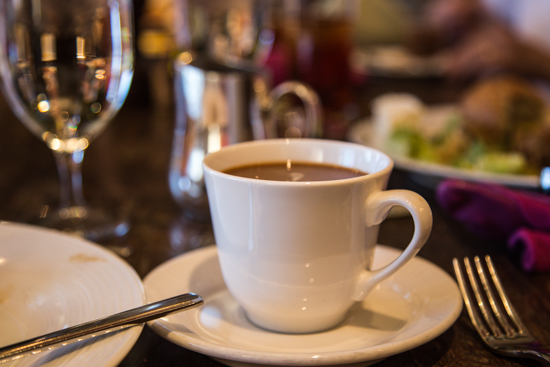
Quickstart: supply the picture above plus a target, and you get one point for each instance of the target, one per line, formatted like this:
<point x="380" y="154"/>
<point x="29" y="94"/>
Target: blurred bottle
<point x="313" y="41"/>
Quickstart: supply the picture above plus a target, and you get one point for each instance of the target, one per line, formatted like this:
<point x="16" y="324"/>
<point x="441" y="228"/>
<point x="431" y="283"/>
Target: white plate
<point x="49" y="281"/>
<point x="430" y="174"/>
<point x="395" y="61"/>
<point x="409" y="309"/>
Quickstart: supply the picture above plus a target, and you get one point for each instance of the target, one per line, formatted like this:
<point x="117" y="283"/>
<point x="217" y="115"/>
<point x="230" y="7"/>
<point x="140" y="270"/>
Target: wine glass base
<point x="93" y="224"/>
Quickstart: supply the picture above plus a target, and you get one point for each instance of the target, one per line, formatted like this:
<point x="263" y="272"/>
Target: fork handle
<point x="534" y="352"/>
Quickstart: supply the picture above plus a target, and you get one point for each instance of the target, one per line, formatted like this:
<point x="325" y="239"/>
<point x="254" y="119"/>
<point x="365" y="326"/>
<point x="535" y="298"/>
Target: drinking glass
<point x="66" y="68"/>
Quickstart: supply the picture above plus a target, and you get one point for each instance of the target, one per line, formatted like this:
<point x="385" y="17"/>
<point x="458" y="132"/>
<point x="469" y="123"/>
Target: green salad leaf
<point x="452" y="147"/>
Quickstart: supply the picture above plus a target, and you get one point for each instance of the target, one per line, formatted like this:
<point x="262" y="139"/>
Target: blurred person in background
<point x="480" y="37"/>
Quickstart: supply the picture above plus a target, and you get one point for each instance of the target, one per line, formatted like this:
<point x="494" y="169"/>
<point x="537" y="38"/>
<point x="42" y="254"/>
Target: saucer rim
<point x="209" y="347"/>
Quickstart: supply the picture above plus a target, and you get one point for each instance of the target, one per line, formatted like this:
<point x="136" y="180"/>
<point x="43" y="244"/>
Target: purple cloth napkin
<point x="497" y="212"/>
<point x="534" y="247"/>
<point x="492" y="210"/>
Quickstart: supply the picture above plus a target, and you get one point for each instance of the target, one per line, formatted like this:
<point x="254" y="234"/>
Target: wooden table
<point x="128" y="164"/>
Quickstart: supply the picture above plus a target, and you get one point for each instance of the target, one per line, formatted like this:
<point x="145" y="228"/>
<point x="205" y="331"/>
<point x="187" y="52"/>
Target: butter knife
<point x="99" y="327"/>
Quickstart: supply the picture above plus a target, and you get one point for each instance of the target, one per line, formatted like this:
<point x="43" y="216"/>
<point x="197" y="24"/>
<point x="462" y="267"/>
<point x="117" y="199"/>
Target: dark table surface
<point x="127" y="165"/>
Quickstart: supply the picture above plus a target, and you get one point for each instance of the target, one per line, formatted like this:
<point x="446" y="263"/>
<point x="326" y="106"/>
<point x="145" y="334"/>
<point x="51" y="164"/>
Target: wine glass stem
<point x="70" y="178"/>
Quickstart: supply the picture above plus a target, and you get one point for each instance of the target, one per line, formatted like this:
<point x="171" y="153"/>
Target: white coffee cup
<point x="297" y="255"/>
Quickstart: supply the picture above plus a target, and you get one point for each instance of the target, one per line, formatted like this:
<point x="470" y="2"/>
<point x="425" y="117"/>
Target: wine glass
<point x="66" y="68"/>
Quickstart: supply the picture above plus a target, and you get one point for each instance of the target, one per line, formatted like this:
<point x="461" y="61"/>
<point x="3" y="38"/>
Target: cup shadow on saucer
<point x="221" y="310"/>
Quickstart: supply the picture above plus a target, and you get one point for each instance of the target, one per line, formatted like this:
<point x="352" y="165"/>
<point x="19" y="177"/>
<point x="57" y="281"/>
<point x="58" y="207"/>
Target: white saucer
<point x="49" y="281"/>
<point x="409" y="309"/>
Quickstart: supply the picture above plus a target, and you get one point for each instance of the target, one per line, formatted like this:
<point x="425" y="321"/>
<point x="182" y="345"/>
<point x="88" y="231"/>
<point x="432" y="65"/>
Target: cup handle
<point x="377" y="207"/>
<point x="312" y="106"/>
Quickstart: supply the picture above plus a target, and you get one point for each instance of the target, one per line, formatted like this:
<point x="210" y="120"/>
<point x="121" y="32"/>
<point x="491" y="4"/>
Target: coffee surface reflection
<point x="295" y="171"/>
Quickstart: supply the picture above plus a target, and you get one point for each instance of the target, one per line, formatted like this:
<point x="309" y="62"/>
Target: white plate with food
<point x="429" y="174"/>
<point x="409" y="309"/>
<point x="50" y="281"/>
<point x="471" y="141"/>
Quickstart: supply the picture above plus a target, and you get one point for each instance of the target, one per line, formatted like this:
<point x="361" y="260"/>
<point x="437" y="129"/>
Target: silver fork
<point x="498" y="325"/>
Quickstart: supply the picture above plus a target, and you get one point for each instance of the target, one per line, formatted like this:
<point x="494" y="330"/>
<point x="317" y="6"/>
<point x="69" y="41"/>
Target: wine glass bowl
<point x="66" y="68"/>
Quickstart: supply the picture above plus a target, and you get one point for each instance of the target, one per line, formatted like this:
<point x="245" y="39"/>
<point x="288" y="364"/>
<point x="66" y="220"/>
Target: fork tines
<point x="498" y="321"/>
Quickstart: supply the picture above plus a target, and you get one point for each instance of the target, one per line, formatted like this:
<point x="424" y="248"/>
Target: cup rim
<point x="303" y="141"/>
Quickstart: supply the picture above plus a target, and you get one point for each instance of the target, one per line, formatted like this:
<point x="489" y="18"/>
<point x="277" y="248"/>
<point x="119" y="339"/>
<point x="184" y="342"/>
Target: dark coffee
<point x="295" y="171"/>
